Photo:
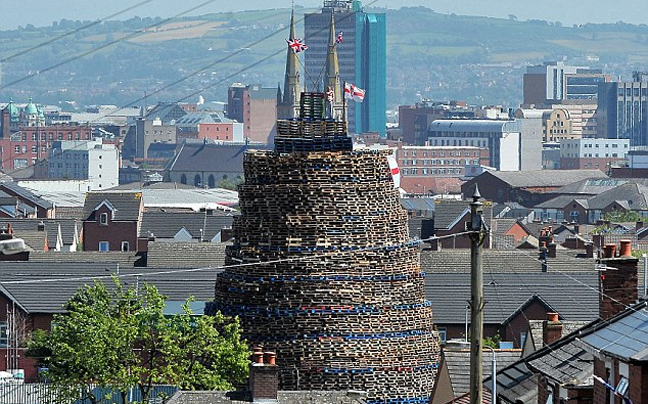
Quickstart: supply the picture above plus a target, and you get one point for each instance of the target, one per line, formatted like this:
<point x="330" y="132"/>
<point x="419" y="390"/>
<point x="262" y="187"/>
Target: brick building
<point x="111" y="221"/>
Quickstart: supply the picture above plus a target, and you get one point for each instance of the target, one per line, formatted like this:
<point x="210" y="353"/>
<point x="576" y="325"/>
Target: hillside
<point x="430" y="55"/>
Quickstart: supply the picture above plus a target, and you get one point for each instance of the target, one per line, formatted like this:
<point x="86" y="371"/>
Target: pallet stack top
<point x="322" y="269"/>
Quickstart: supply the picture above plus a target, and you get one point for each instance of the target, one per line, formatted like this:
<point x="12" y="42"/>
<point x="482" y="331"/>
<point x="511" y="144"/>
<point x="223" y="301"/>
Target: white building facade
<point x="85" y="160"/>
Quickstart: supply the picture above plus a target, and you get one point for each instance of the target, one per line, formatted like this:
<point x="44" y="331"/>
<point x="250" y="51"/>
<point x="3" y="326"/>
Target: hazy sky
<point x="568" y="12"/>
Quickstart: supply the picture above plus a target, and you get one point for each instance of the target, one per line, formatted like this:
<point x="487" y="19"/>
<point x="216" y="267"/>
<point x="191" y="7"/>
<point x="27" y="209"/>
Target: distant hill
<point x="431" y="55"/>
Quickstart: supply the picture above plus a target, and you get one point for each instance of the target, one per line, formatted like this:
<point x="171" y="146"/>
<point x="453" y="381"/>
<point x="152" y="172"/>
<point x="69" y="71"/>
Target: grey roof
<point x="107" y="259"/>
<point x="447" y="211"/>
<point x="194" y="118"/>
<point x="24" y="193"/>
<point x="474" y="125"/>
<point x="458" y="260"/>
<point x="635" y="196"/>
<point x="565" y="362"/>
<point x="458" y="362"/>
<point x="561" y="201"/>
<point x="574" y="297"/>
<point x="127" y="204"/>
<point x="425" y="205"/>
<point x="590" y="186"/>
<point x="536" y="329"/>
<point x="53" y="284"/>
<point x="283" y="397"/>
<point x="181" y="197"/>
<point x="168" y="224"/>
<point x="501" y="226"/>
<point x="544" y="178"/>
<point x="517" y="384"/>
<point x="624" y="336"/>
<point x="185" y="255"/>
<point x="166" y="111"/>
<point x="209" y="158"/>
<point x="51" y="227"/>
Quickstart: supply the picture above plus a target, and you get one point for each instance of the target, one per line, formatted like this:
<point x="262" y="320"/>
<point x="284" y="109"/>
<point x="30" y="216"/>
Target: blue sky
<point x="569" y="12"/>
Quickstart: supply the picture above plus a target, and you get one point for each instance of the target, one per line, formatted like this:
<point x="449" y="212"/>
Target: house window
<point x="104" y="246"/>
<point x="125" y="246"/>
<point x="103" y="219"/>
<point x="3" y="334"/>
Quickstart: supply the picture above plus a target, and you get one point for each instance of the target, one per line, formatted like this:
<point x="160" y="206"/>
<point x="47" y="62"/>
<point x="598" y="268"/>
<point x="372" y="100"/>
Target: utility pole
<point x="476" y="228"/>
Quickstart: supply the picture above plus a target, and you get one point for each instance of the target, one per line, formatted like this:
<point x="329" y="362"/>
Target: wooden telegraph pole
<point x="476" y="228"/>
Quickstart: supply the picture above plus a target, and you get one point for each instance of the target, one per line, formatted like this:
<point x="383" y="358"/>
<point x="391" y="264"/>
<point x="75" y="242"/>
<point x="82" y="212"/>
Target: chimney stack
<point x="551" y="329"/>
<point x="589" y="250"/>
<point x="618" y="282"/>
<point x="552" y="250"/>
<point x="264" y="377"/>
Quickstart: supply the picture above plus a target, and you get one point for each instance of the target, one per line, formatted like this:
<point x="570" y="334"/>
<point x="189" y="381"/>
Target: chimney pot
<point x="553" y="317"/>
<point x="609" y="250"/>
<point x="626" y="248"/>
<point x="269" y="358"/>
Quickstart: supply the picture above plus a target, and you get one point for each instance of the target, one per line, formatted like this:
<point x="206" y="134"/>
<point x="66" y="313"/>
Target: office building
<point x="623" y="110"/>
<point x="362" y="57"/>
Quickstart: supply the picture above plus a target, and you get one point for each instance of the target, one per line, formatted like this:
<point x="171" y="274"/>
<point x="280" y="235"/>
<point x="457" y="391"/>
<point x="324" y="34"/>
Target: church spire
<point x="332" y="78"/>
<point x="289" y="105"/>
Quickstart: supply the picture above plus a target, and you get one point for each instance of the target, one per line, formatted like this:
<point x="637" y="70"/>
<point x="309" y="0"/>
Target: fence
<point x="40" y="393"/>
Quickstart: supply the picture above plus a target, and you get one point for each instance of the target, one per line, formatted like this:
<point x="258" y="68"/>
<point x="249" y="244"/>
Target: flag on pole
<point x="297" y="45"/>
<point x="339" y="38"/>
<point x="394" y="170"/>
<point x="354" y="93"/>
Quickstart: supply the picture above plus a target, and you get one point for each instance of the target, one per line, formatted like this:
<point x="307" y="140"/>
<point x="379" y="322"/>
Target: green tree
<point x="119" y="339"/>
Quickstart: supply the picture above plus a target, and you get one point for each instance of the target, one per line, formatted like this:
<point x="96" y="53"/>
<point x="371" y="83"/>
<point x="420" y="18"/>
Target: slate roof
<point x="448" y="210"/>
<point x="126" y="204"/>
<point x="51" y="227"/>
<point x="424" y="205"/>
<point x="212" y="158"/>
<point x="634" y="195"/>
<point x="544" y="178"/>
<point x="55" y="283"/>
<point x="624" y="336"/>
<point x="590" y="186"/>
<point x="108" y="258"/>
<point x="166" y="111"/>
<point x="536" y="329"/>
<point x="561" y="201"/>
<point x="458" y="362"/>
<point x="574" y="297"/>
<point x="517" y="384"/>
<point x="24" y="193"/>
<point x="458" y="260"/>
<point x="501" y="226"/>
<point x="167" y="224"/>
<point x="565" y="362"/>
<point x="185" y="254"/>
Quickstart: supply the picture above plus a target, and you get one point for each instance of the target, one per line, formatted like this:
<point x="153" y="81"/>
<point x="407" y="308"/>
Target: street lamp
<point x="493" y="376"/>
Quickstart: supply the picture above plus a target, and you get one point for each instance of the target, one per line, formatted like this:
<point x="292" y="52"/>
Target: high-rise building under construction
<point x="362" y="56"/>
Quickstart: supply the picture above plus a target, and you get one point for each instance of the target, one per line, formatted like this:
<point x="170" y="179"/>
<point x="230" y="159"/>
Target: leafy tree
<point x="119" y="339"/>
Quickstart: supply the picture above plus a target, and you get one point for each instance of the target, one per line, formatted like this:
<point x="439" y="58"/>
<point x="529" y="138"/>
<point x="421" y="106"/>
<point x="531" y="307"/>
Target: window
<point x="3" y="334"/>
<point x="443" y="334"/>
<point x="104" y="246"/>
<point x="103" y="219"/>
<point x="125" y="246"/>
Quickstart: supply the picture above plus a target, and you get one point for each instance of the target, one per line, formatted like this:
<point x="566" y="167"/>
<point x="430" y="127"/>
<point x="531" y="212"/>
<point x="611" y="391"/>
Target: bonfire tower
<point x="322" y="270"/>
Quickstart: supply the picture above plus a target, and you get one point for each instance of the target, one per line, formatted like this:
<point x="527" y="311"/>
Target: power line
<point x="411" y="243"/>
<point x="106" y="45"/>
<point x="75" y="31"/>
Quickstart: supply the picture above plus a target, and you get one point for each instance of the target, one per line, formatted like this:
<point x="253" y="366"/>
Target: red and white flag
<point x="339" y="37"/>
<point x="330" y="94"/>
<point x="394" y="170"/>
<point x="354" y="93"/>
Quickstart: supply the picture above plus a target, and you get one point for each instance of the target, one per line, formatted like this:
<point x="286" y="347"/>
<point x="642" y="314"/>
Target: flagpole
<point x="344" y="106"/>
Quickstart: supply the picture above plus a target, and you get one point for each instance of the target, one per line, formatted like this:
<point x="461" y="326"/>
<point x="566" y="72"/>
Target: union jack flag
<point x="297" y="45"/>
<point x="339" y="38"/>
